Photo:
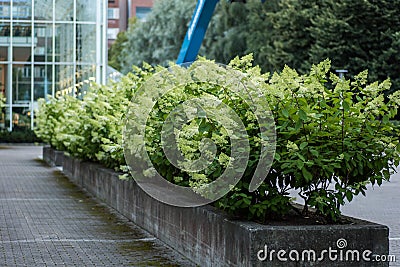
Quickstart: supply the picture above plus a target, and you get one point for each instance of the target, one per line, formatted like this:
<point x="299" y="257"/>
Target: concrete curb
<point x="209" y="238"/>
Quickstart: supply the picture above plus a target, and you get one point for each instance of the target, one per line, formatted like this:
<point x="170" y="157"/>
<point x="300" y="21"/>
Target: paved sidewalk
<point x="47" y="221"/>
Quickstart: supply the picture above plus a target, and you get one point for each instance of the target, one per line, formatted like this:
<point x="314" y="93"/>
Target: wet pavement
<point x="47" y="221"/>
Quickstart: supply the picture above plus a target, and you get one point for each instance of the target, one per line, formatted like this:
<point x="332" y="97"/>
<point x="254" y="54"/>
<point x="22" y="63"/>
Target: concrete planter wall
<point x="207" y="237"/>
<point x="53" y="157"/>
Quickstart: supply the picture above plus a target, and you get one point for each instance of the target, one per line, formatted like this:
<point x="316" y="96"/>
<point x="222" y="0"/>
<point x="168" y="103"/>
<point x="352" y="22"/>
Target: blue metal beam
<point x="197" y="29"/>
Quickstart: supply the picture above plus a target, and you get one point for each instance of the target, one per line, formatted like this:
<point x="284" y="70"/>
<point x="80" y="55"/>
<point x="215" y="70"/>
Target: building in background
<point x="140" y="8"/>
<point x="117" y="16"/>
<point x="48" y="47"/>
<point x="119" y="12"/>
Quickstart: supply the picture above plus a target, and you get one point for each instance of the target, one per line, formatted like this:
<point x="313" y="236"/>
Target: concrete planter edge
<point x="209" y="238"/>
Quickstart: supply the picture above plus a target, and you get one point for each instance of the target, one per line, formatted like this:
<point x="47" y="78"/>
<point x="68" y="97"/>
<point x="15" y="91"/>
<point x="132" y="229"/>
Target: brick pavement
<point x="47" y="221"/>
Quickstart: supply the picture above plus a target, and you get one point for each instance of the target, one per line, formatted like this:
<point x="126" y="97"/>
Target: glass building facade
<point x="48" y="47"/>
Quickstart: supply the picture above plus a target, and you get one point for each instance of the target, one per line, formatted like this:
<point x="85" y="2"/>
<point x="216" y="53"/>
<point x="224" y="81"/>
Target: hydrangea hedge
<point x="333" y="136"/>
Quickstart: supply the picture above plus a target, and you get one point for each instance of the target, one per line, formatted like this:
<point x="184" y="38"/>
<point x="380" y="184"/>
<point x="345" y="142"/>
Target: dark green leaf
<point x="306" y="174"/>
<point x="303" y="145"/>
<point x="302" y="115"/>
<point x="346" y="106"/>
<point x="285" y="113"/>
<point x="349" y="195"/>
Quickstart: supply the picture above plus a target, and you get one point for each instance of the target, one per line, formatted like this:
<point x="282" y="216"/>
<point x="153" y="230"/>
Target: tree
<point x="389" y="59"/>
<point x="226" y="36"/>
<point x="355" y="34"/>
<point x="158" y="39"/>
<point x="115" y="58"/>
<point x="260" y="40"/>
<point x="115" y="51"/>
<point x="278" y="34"/>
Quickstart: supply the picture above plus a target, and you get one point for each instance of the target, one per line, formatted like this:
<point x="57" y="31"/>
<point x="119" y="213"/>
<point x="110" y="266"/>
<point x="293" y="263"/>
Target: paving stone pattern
<point x="47" y="221"/>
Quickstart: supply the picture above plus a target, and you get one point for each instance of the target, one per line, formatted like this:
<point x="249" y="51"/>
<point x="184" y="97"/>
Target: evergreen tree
<point x="158" y="39"/>
<point x="288" y="38"/>
<point x="115" y="58"/>
<point x="261" y="33"/>
<point x="226" y="36"/>
<point x="357" y="35"/>
<point x="115" y="51"/>
<point x="387" y="64"/>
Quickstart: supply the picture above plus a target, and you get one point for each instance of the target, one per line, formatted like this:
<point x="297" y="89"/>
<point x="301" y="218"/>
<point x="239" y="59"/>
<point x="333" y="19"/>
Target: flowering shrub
<point x="2" y="101"/>
<point x="48" y="116"/>
<point x="333" y="136"/>
<point x="91" y="128"/>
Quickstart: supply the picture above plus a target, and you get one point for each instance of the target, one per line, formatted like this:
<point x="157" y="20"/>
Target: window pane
<point x="64" y="79"/>
<point x="43" y="42"/>
<point x="64" y="36"/>
<point x="43" y="81"/>
<point x="22" y="42"/>
<point x="21" y="84"/>
<point x="86" y="10"/>
<point x="3" y="80"/>
<point x="64" y="10"/>
<point x="113" y="13"/>
<point x="22" y="30"/>
<point x="142" y="12"/>
<point x="85" y="74"/>
<point x="112" y="33"/>
<point x="22" y="54"/>
<point x="5" y="10"/>
<point x="44" y="9"/>
<point x="22" y="10"/>
<point x="21" y="118"/>
<point x="4" y="40"/>
<point x="3" y="53"/>
<point x="86" y="43"/>
<point x="4" y="32"/>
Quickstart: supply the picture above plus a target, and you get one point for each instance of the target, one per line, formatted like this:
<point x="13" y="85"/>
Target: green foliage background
<point x="158" y="40"/>
<point x="355" y="34"/>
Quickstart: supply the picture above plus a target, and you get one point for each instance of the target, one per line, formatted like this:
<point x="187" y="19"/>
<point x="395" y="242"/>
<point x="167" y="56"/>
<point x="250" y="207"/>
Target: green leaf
<point x="303" y="115"/>
<point x="204" y="126"/>
<point x="285" y="113"/>
<point x="300" y="164"/>
<point x="299" y="123"/>
<point x="301" y="157"/>
<point x="247" y="201"/>
<point x="306" y="174"/>
<point x="385" y="119"/>
<point x="346" y="106"/>
<point x="349" y="195"/>
<point x="303" y="145"/>
<point x="314" y="152"/>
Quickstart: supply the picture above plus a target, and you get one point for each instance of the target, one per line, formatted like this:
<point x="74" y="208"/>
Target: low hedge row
<point x="18" y="136"/>
<point x="333" y="136"/>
